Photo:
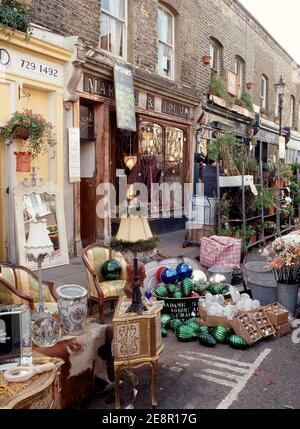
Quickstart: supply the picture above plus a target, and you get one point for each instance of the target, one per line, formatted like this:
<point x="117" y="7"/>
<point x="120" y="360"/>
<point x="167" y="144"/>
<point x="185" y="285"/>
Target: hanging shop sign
<point x="281" y="147"/>
<point x="125" y="103"/>
<point x="98" y="86"/>
<point x="28" y="65"/>
<point x="175" y="109"/>
<point x="74" y="155"/>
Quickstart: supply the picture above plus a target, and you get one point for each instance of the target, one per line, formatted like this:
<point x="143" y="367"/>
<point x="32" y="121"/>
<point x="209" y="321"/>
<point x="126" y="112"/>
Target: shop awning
<point x="294" y="142"/>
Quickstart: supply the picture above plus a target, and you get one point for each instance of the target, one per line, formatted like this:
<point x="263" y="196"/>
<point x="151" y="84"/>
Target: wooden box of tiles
<point x="277" y="313"/>
<point x="263" y="322"/>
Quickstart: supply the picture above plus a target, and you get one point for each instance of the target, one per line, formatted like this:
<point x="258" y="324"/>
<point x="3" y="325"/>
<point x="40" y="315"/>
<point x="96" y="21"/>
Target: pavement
<point x="264" y="376"/>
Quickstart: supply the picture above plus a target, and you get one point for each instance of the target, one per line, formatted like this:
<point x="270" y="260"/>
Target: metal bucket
<point x="258" y="269"/>
<point x="263" y="289"/>
<point x="288" y="296"/>
<point x="218" y="269"/>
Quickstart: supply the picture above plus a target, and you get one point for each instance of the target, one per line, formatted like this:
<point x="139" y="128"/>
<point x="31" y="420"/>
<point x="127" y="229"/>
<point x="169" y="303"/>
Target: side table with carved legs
<point x="137" y="341"/>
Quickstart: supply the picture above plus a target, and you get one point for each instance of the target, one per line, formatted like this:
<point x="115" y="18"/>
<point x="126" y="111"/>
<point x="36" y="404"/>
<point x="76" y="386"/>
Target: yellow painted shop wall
<point x="3" y="118"/>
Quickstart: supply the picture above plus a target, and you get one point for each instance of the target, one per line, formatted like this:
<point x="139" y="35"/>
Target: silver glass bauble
<point x="199" y="276"/>
<point x="217" y="278"/>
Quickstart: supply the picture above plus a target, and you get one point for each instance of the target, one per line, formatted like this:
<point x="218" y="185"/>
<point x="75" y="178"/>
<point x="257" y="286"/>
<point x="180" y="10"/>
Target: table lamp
<point x="37" y="247"/>
<point x="135" y="236"/>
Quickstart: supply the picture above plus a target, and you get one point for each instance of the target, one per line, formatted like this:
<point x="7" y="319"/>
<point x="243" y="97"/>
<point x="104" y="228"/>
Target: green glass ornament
<point x="175" y="323"/>
<point x="164" y="332"/>
<point x="172" y="289"/>
<point x="225" y="290"/>
<point x="220" y="333"/>
<point x="216" y="289"/>
<point x="186" y="287"/>
<point x="185" y="333"/>
<point x="204" y="330"/>
<point x="193" y="325"/>
<point x="177" y="294"/>
<point x="111" y="270"/>
<point x="237" y="342"/>
<point x="200" y="287"/>
<point x="161" y="291"/>
<point x="207" y="340"/>
<point x="165" y="320"/>
<point x="192" y="319"/>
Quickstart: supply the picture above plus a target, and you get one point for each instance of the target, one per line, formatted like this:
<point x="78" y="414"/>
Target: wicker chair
<point x="100" y="290"/>
<point x="19" y="285"/>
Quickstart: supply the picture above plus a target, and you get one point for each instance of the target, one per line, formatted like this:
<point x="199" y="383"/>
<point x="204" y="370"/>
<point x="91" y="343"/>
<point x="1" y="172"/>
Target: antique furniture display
<point x="43" y="391"/>
<point x="102" y="291"/>
<point x="41" y="202"/>
<point x="19" y="285"/>
<point x="137" y="341"/>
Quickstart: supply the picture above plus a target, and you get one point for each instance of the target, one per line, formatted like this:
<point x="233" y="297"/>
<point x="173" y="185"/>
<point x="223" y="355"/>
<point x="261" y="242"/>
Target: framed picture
<point x="232" y="83"/>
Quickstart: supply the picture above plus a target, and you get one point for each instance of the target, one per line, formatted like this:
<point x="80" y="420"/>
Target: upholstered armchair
<point x="100" y="290"/>
<point x="19" y="285"/>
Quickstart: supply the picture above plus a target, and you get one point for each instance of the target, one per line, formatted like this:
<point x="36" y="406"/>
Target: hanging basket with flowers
<point x="33" y="129"/>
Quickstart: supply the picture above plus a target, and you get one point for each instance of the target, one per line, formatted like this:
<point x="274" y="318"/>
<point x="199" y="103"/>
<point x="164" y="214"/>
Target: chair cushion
<point x="96" y="257"/>
<point x="28" y="285"/>
<point x="110" y="289"/>
<point x="6" y="297"/>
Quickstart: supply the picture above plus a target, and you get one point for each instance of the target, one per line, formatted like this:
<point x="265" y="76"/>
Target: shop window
<point x="87" y="125"/>
<point x="114" y="27"/>
<point x="292" y="112"/>
<point x="263" y="93"/>
<point x="161" y="152"/>
<point x="165" y="43"/>
<point x="240" y="73"/>
<point x="216" y="56"/>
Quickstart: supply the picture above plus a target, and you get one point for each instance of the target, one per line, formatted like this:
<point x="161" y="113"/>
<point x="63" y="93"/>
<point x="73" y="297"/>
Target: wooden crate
<point x="277" y="313"/>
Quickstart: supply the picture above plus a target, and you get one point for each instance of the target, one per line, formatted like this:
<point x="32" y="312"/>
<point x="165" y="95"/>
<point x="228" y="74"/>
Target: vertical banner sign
<point x="74" y="155"/>
<point x="125" y="105"/>
<point x="281" y="147"/>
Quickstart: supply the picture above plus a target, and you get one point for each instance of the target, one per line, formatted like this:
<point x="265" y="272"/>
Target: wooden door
<point x="88" y="210"/>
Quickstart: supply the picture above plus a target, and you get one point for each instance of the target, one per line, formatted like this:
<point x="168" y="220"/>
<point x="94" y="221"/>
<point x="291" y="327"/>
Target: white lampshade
<point x="38" y="242"/>
<point x="133" y="229"/>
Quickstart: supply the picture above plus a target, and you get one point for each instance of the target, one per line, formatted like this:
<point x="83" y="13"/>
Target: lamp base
<point x="137" y="307"/>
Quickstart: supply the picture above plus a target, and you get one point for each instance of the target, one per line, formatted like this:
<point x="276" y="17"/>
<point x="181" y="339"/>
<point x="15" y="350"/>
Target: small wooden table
<point x="137" y="341"/>
<point x="42" y="391"/>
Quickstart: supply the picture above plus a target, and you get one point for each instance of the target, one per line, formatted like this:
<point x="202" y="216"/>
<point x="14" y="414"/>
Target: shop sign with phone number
<point x="31" y="67"/>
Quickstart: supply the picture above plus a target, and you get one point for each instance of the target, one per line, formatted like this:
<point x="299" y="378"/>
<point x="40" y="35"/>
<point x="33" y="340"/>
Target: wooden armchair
<point x="99" y="289"/>
<point x="19" y="285"/>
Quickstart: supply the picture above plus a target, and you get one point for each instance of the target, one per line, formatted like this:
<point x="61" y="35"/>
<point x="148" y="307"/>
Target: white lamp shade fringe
<point x="133" y="229"/>
<point x="38" y="242"/>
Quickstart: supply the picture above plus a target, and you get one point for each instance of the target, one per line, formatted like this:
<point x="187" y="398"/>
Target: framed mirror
<point x="41" y="202"/>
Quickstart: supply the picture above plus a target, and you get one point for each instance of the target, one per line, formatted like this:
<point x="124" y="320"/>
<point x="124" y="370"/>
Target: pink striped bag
<point x="224" y="251"/>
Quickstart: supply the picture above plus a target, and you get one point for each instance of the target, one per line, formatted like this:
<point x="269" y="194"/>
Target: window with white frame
<point x="240" y="73"/>
<point x="215" y="55"/>
<point x="292" y="111"/>
<point x="263" y="92"/>
<point x="165" y="43"/>
<point x="114" y="27"/>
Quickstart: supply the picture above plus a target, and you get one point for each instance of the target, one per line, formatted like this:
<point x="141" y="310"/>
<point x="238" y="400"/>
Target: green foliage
<point x="293" y="186"/>
<point x="40" y="131"/>
<point x="138" y="247"/>
<point x="278" y="169"/>
<point x="222" y="148"/>
<point x="224" y="206"/>
<point x="15" y="16"/>
<point x="294" y="168"/>
<point x="251" y="166"/>
<point x="266" y="198"/>
<point x="270" y="226"/>
<point x="218" y="86"/>
<point x="250" y="232"/>
<point x="247" y="100"/>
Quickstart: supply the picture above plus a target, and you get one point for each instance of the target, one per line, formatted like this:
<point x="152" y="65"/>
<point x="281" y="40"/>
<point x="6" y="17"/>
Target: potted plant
<point x="223" y="207"/>
<point x="247" y="100"/>
<point x="260" y="230"/>
<point x="269" y="227"/>
<point x="249" y="85"/>
<point x="250" y="234"/>
<point x="266" y="199"/>
<point x="284" y="259"/>
<point x="206" y="59"/>
<point x="36" y="132"/>
<point x="277" y="173"/>
<point x="218" y="86"/>
<point x="15" y="15"/>
<point x="223" y="148"/>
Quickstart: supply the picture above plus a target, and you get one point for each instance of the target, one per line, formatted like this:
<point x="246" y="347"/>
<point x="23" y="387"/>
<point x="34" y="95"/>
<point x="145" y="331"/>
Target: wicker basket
<point x="180" y="308"/>
<point x="21" y="132"/>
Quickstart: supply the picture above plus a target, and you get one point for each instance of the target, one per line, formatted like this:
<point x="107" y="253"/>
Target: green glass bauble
<point x="186" y="287"/>
<point x="175" y="323"/>
<point x="207" y="340"/>
<point x="204" y="330"/>
<point x="237" y="342"/>
<point x="177" y="294"/>
<point x="161" y="291"/>
<point x="200" y="287"/>
<point x="111" y="270"/>
<point x="225" y="290"/>
<point x="164" y="332"/>
<point x="192" y="319"/>
<point x="220" y="333"/>
<point x="185" y="333"/>
<point x="193" y="325"/>
<point x="216" y="289"/>
<point x="165" y="320"/>
<point x="171" y="290"/>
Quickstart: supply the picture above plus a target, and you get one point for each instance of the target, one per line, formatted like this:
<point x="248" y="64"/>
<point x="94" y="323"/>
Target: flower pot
<point x="206" y="59"/>
<point x="272" y="211"/>
<point x="288" y="296"/>
<point x="72" y="307"/>
<point x="21" y="132"/>
<point x="250" y="132"/>
<point x="23" y="162"/>
<point x="249" y="85"/>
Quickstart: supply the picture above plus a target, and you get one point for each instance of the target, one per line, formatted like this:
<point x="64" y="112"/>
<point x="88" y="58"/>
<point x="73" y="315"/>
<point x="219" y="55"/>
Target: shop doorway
<point x="88" y="174"/>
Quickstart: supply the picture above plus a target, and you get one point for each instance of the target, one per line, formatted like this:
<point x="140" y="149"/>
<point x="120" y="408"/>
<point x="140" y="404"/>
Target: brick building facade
<point x="177" y="76"/>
